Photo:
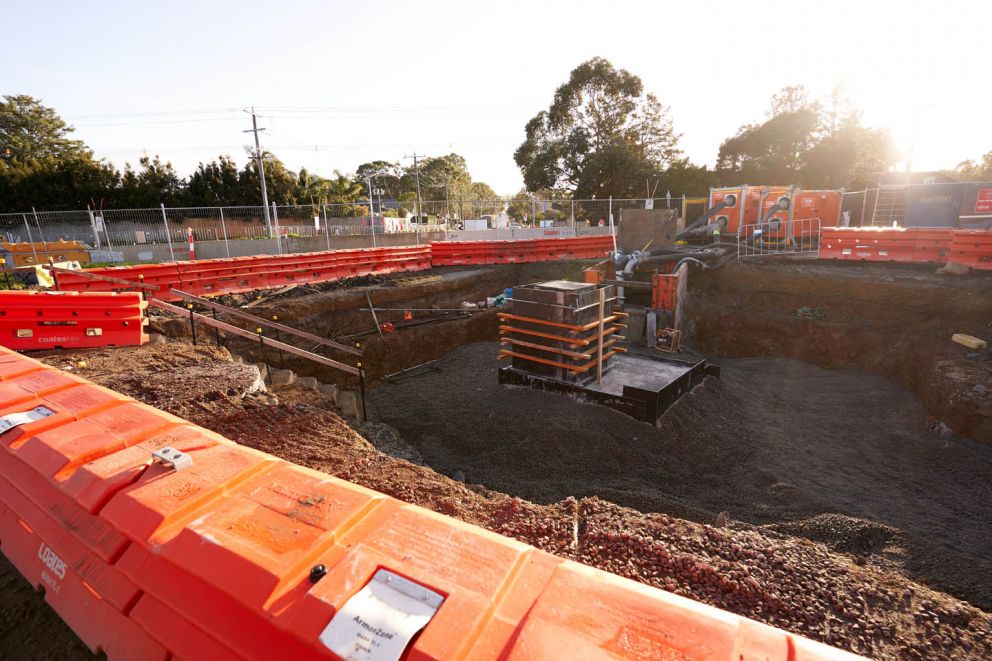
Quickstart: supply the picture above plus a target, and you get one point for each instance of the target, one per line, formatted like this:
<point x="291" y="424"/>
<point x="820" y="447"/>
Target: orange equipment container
<point x="823" y="206"/>
<point x="731" y="215"/>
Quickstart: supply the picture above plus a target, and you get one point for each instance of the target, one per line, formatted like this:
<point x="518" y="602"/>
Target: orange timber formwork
<point x="242" y="555"/>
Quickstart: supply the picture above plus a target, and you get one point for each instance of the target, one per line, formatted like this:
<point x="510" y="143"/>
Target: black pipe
<point x="728" y="201"/>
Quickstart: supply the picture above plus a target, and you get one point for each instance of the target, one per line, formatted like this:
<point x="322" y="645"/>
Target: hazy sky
<point x="340" y="83"/>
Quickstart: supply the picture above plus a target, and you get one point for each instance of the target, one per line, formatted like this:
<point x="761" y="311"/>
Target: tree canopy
<point x="971" y="170"/>
<point x="42" y="166"/>
<point x="33" y="132"/>
<point x="598" y="136"/>
<point x="808" y="143"/>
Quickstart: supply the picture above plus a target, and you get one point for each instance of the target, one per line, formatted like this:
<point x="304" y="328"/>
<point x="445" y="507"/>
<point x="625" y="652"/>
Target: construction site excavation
<point x="800" y="442"/>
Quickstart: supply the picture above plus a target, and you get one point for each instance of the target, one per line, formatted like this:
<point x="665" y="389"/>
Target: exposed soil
<point x="775" y="454"/>
<point x="787" y="581"/>
<point x="774" y="440"/>
<point x="29" y="629"/>
<point x="341" y="312"/>
<point x="891" y="320"/>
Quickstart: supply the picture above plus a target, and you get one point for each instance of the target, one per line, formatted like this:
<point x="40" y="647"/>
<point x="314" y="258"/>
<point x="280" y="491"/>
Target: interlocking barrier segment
<point x="69" y="320"/>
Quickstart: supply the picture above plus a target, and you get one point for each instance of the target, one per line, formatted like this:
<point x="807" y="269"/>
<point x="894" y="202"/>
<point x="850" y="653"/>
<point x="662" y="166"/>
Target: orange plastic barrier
<point x="972" y="248"/>
<point x="47" y="320"/>
<point x="242" y="555"/>
<point x="886" y="244"/>
<point x="242" y="274"/>
<point x="454" y="253"/>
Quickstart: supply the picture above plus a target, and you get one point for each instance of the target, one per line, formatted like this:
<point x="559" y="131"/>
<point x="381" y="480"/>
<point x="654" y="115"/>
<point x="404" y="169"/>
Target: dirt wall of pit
<point x="888" y="320"/>
<point x="342" y="312"/>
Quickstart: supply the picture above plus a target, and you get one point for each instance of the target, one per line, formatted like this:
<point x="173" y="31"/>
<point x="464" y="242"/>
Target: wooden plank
<point x="504" y="353"/>
<point x="234" y="330"/>
<point x="265" y="322"/>
<point x="541" y="347"/>
<point x="575" y="342"/>
<point x="413" y="282"/>
<point x="969" y="341"/>
<point x="98" y="276"/>
<point x="262" y="299"/>
<point x="571" y="327"/>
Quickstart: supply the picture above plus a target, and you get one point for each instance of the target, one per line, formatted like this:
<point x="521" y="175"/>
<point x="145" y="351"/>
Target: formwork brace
<point x="575" y="369"/>
<point x="573" y="341"/>
<point x="572" y="327"/>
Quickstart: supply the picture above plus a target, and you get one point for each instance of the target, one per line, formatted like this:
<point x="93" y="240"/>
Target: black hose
<point x="728" y="201"/>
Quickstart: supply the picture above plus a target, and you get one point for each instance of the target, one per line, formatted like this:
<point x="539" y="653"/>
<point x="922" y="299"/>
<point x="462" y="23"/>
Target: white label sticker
<point x="12" y="420"/>
<point x="377" y="623"/>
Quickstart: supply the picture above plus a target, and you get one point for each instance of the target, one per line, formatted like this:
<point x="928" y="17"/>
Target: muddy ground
<point x="842" y="597"/>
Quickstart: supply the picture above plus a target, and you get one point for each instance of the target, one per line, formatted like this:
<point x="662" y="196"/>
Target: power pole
<point x="416" y="173"/>
<point x="261" y="168"/>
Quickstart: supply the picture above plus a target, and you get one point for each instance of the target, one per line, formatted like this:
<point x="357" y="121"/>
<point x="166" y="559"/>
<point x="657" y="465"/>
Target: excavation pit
<point x="843" y="414"/>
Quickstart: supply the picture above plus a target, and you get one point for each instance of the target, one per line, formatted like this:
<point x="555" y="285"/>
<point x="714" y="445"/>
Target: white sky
<point x="341" y="83"/>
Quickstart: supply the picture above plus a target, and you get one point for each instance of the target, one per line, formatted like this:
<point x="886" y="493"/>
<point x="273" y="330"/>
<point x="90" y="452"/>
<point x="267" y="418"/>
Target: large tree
<point x="58" y="184"/>
<point x="32" y="131"/>
<point x="385" y="175"/>
<point x="280" y="183"/>
<point x="807" y="143"/>
<point x="215" y="184"/>
<point x="600" y="116"/>
<point x="154" y="184"/>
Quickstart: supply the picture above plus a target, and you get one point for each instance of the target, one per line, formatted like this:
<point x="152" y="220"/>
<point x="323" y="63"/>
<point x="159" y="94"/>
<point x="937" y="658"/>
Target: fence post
<point x="275" y="221"/>
<point x="613" y="231"/>
<point x="30" y="238"/>
<point x="168" y="235"/>
<point x="96" y="234"/>
<point x="41" y="235"/>
<point x="327" y="230"/>
<point x="372" y="221"/>
<point x="223" y="228"/>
